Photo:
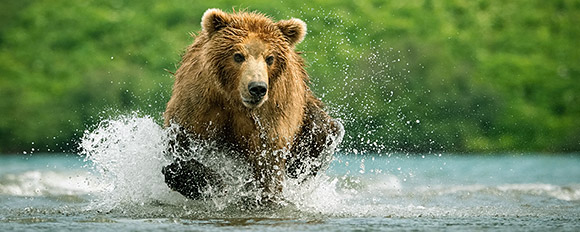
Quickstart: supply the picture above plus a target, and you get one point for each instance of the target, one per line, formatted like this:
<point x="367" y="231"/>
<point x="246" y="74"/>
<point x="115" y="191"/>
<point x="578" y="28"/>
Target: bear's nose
<point x="258" y="89"/>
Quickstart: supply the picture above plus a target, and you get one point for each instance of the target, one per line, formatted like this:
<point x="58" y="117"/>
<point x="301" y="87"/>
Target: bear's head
<point x="248" y="53"/>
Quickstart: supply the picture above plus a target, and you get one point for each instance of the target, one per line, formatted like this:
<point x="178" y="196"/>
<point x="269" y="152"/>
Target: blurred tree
<point x="404" y="76"/>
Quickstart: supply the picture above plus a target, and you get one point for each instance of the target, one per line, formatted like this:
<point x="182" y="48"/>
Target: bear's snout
<point x="258" y="89"/>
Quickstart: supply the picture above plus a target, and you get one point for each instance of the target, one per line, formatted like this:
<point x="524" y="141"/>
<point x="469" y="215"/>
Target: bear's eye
<point x="270" y="60"/>
<point x="239" y="58"/>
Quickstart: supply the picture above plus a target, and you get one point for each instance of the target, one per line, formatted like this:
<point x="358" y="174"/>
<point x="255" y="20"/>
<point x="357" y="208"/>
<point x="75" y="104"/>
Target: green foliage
<point x="412" y="76"/>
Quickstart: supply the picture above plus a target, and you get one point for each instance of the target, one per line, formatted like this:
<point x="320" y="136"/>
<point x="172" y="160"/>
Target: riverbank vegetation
<point x="404" y="76"/>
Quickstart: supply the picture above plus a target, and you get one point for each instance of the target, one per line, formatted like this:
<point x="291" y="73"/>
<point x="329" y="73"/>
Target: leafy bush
<point x="405" y="76"/>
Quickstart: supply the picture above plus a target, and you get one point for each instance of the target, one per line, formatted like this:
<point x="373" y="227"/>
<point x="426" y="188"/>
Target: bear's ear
<point x="213" y="20"/>
<point x="293" y="29"/>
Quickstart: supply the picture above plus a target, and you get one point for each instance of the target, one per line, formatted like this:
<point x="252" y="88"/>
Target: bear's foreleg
<point x="190" y="178"/>
<point x="309" y="153"/>
<point x="187" y="175"/>
<point x="269" y="173"/>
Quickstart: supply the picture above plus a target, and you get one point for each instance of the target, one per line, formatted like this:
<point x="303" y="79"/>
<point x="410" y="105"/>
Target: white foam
<point x="565" y="193"/>
<point x="127" y="154"/>
<point x="48" y="183"/>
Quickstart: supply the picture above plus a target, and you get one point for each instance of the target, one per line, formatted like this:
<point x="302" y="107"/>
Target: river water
<point x="119" y="187"/>
<point x="516" y="192"/>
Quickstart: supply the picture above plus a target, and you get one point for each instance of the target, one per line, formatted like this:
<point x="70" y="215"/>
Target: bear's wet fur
<point x="242" y="84"/>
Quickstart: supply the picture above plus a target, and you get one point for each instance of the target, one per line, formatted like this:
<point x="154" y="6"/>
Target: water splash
<point x="127" y="155"/>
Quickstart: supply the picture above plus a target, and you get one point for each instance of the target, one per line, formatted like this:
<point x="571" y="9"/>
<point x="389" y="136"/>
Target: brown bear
<point x="242" y="85"/>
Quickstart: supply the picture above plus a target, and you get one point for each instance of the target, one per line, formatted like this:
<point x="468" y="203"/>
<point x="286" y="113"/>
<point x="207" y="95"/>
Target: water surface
<point x="519" y="192"/>
<point x="116" y="185"/>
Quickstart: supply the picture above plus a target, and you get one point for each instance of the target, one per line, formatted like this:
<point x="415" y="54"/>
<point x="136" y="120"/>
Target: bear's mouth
<point x="253" y="102"/>
<point x="254" y="94"/>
